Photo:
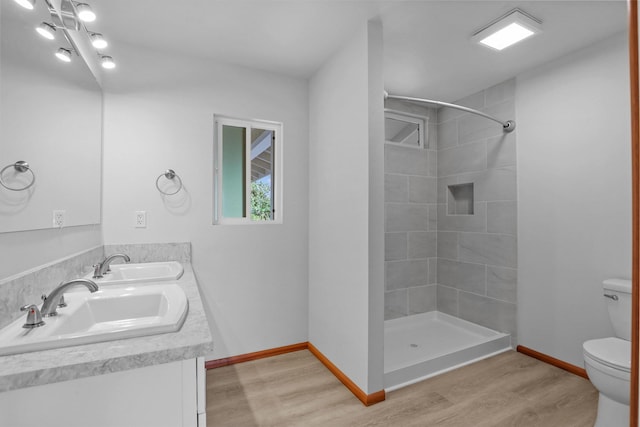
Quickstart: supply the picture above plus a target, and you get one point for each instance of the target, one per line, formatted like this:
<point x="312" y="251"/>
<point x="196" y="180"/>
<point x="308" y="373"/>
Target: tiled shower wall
<point x="476" y="253"/>
<point x="437" y="257"/>
<point x="410" y="223"/>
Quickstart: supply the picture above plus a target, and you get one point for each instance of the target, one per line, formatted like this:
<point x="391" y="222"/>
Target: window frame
<point x="278" y="129"/>
<point x="421" y="121"/>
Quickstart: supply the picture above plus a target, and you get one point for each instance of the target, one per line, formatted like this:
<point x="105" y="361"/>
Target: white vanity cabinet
<point x="169" y="394"/>
<point x="154" y="380"/>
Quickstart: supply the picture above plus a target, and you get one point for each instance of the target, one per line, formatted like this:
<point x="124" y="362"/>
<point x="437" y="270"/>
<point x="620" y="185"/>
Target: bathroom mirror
<point x="51" y="118"/>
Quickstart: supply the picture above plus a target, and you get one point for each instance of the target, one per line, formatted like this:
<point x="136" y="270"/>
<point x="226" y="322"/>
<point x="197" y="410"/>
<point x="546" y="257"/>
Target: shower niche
<point x="460" y="199"/>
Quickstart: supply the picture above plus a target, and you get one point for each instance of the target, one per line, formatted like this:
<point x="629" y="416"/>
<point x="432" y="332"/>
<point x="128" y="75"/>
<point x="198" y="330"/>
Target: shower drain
<point x="413" y="345"/>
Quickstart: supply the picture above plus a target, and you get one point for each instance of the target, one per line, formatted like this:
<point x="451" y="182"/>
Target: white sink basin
<point x="139" y="273"/>
<point x="106" y="315"/>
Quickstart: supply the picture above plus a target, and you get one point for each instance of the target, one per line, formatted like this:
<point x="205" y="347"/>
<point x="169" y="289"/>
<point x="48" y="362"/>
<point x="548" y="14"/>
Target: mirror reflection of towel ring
<point x="20" y="166"/>
<point x="171" y="175"/>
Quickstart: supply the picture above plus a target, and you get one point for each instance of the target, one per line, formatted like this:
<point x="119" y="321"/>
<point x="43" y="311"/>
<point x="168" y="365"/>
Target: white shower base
<point x="423" y="345"/>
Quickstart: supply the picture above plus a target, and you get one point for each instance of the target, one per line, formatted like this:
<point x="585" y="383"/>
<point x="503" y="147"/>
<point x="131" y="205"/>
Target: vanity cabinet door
<point x="154" y="396"/>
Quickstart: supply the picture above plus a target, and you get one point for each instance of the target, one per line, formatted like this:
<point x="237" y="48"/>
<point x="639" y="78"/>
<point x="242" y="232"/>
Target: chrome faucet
<point x="51" y="302"/>
<point x="102" y="268"/>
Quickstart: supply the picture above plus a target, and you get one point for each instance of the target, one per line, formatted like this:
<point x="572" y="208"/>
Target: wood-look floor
<point x="295" y="389"/>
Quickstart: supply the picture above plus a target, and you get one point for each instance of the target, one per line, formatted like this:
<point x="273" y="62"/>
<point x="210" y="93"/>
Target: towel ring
<point x="169" y="174"/>
<point x="20" y="166"/>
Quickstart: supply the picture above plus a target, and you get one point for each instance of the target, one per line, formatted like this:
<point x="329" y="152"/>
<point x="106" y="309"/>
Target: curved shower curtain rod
<point x="507" y="126"/>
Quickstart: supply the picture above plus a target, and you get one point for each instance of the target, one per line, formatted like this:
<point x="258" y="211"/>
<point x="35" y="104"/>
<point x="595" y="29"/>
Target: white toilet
<point x="608" y="360"/>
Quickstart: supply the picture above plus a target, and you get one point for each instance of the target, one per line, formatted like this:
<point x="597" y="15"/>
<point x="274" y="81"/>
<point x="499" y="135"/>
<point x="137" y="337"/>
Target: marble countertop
<point x="67" y="363"/>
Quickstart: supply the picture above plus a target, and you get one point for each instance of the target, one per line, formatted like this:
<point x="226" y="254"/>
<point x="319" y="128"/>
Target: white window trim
<point x="421" y="121"/>
<point x="278" y="129"/>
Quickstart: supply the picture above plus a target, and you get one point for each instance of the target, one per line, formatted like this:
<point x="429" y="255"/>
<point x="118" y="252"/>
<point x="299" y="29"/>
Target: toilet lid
<point x="613" y="352"/>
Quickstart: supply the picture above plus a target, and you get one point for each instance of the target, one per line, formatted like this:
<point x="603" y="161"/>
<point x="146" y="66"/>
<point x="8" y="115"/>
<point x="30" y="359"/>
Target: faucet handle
<point x="34" y="319"/>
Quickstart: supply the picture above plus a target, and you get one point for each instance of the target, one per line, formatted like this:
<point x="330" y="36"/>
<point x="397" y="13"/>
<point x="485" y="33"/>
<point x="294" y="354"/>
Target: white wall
<point x="345" y="288"/>
<point x="375" y="82"/>
<point x="574" y="183"/>
<point x="159" y="114"/>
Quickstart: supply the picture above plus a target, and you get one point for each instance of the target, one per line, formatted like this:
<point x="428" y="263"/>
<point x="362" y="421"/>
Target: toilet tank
<point x="618" y="297"/>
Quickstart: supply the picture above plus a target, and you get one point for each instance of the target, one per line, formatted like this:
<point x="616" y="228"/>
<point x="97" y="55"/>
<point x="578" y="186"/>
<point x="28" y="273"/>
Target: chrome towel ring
<point x="171" y="175"/>
<point x="20" y="166"/>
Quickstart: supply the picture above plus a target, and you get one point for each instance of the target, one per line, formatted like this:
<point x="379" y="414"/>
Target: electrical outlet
<point x="140" y="219"/>
<point x="58" y="219"/>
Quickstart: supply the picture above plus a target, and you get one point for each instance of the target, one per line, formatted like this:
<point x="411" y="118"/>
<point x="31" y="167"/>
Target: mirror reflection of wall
<point x="50" y="117"/>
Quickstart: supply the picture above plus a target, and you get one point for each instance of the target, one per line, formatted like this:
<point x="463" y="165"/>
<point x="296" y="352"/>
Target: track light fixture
<point x="85" y="13"/>
<point x="46" y="30"/>
<point x="27" y="4"/>
<point x="63" y="54"/>
<point x="68" y="17"/>
<point x="98" y="41"/>
<point x="107" y="62"/>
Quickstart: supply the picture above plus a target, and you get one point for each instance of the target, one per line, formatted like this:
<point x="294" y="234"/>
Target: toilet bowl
<point x="608" y="360"/>
<point x="608" y="365"/>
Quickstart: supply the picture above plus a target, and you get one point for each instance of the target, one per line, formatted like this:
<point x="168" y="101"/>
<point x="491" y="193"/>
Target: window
<point x="404" y="129"/>
<point x="248" y="171"/>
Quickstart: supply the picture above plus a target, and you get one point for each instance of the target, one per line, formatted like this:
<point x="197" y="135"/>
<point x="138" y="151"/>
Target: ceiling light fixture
<point x="507" y="30"/>
<point x="64" y="55"/>
<point x="27" y="4"/>
<point x="107" y="62"/>
<point x="46" y="30"/>
<point x="85" y="13"/>
<point x="98" y="41"/>
<point x="68" y="17"/>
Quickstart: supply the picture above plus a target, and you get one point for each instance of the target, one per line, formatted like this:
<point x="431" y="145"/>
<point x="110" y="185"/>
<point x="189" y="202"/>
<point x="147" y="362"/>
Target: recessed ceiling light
<point x="85" y="13"/>
<point x="27" y="4"/>
<point x="507" y="30"/>
<point x="46" y="30"/>
<point x="64" y="55"/>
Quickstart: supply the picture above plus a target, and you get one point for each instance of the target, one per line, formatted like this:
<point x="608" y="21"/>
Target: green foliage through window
<point x="260" y="201"/>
